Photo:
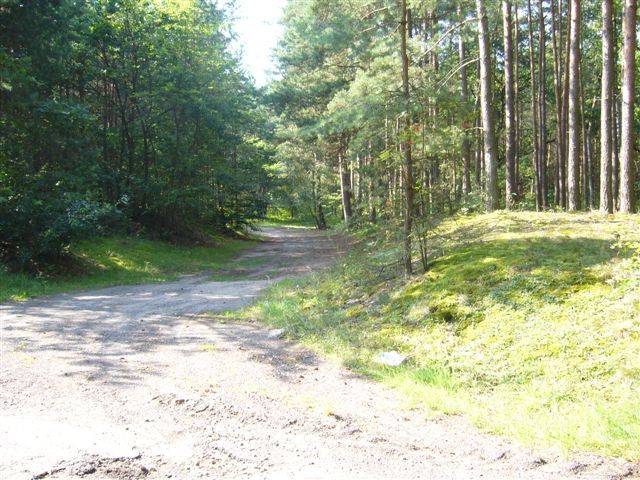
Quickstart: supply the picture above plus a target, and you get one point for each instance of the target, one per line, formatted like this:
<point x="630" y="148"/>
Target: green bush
<point x="37" y="228"/>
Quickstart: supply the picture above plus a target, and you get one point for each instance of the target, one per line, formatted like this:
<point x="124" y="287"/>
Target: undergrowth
<point x="102" y="262"/>
<point x="281" y="217"/>
<point x="529" y="324"/>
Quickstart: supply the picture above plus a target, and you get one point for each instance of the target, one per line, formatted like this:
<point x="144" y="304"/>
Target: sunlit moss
<point x="528" y="323"/>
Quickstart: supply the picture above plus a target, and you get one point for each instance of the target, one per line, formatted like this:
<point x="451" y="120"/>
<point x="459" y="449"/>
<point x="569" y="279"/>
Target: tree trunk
<point x="535" y="161"/>
<point x="557" y="80"/>
<point x="408" y="162"/>
<point x="516" y="96"/>
<point x="627" y="174"/>
<point x="542" y="110"/>
<point x="479" y="147"/>
<point x="615" y="137"/>
<point x="565" y="109"/>
<point x="466" y="148"/>
<point x="590" y="171"/>
<point x="488" y="128"/>
<point x="509" y="111"/>
<point x="345" y="181"/>
<point x="584" y="170"/>
<point x="606" y="108"/>
<point x="573" y="157"/>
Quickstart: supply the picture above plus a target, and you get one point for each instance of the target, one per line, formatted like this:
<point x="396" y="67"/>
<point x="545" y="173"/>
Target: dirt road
<point x="135" y="382"/>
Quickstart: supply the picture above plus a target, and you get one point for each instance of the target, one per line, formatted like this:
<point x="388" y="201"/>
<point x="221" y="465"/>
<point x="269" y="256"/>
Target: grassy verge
<point x="528" y="324"/>
<point x="279" y="217"/>
<point x="121" y="261"/>
<point x="284" y="222"/>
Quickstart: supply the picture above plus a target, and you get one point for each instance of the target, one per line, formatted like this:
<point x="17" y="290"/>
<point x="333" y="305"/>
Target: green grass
<point x="527" y="323"/>
<point x="280" y="217"/>
<point x="286" y="222"/>
<point x="123" y="261"/>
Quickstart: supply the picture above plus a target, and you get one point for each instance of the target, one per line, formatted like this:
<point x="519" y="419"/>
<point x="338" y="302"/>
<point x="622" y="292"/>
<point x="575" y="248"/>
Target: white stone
<point x="276" y="333"/>
<point x="391" y="359"/>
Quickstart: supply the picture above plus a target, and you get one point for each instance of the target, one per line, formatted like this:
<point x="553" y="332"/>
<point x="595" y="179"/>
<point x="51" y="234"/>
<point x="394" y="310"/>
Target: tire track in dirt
<point x="135" y="382"/>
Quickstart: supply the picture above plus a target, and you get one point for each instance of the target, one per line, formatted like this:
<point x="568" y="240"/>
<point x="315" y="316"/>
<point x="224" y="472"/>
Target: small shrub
<point x="36" y="229"/>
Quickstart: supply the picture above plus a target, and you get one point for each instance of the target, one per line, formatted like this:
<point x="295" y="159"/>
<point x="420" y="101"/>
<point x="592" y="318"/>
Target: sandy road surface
<point x="133" y="382"/>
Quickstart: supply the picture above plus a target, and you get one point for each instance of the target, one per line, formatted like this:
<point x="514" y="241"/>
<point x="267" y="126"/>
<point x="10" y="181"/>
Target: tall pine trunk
<point x="345" y="181"/>
<point x="516" y="95"/>
<point x="565" y="108"/>
<point x="488" y="127"/>
<point x="466" y="147"/>
<point x="557" y="90"/>
<point x="408" y="161"/>
<point x="542" y="109"/>
<point x="510" y="124"/>
<point x="627" y="174"/>
<point x="573" y="154"/>
<point x="534" y="112"/>
<point x="606" y="108"/>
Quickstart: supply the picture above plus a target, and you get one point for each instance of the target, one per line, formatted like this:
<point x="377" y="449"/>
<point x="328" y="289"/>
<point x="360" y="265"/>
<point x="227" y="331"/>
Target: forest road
<point x="137" y="382"/>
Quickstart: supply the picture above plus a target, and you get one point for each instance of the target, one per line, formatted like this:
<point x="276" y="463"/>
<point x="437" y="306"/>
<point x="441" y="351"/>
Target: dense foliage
<point x="134" y="114"/>
<point x="363" y="127"/>
<point x="122" y="114"/>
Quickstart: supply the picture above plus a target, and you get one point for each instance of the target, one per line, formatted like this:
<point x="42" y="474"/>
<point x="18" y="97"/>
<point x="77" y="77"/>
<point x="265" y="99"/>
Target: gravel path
<point x="137" y="382"/>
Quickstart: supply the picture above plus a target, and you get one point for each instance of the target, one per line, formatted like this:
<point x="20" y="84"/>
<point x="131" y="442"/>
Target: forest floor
<point x="149" y="381"/>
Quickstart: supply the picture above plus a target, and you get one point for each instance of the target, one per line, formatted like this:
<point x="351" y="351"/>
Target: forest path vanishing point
<point x="136" y="382"/>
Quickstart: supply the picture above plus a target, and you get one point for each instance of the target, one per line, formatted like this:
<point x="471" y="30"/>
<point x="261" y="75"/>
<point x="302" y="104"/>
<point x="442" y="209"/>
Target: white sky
<point x="258" y="33"/>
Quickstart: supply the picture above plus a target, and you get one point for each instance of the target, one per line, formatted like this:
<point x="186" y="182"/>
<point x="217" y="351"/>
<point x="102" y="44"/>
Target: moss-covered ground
<point x="527" y="323"/>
